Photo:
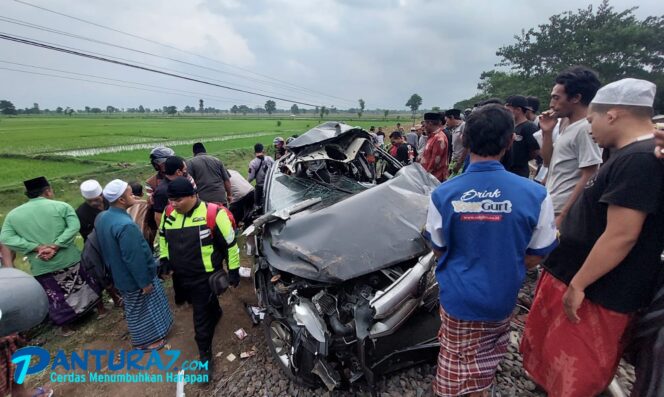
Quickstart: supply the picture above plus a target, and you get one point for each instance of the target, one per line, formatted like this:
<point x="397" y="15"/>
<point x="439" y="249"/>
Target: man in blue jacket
<point x="132" y="265"/>
<point x="485" y="226"/>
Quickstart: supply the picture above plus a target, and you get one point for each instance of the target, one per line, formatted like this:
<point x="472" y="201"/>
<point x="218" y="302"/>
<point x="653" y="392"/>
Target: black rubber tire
<point x="310" y="380"/>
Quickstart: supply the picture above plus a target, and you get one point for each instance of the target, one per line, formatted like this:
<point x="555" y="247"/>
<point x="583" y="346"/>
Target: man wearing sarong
<point x="134" y="270"/>
<point x="607" y="266"/>
<point x="44" y="230"/>
<point x="486" y="227"/>
<point x="435" y="156"/>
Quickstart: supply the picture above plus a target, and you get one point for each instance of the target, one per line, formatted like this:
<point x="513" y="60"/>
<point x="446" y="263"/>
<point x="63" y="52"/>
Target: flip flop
<point x="41" y="392"/>
<point x="158" y="347"/>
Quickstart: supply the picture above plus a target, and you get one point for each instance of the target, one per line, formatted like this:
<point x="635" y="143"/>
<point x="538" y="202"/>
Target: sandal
<point x="159" y="345"/>
<point x="41" y="392"/>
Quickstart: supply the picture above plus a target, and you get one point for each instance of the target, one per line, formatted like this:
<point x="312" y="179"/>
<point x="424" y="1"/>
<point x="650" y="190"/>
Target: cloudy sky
<point x="315" y="52"/>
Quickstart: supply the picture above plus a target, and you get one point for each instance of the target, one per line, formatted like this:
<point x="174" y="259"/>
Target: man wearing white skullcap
<point x="94" y="204"/>
<point x="133" y="268"/>
<point x="607" y="265"/>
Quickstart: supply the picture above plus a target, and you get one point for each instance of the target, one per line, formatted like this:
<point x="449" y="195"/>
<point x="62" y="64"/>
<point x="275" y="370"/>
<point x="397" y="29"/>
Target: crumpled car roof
<point x="323" y="132"/>
<point x="368" y="231"/>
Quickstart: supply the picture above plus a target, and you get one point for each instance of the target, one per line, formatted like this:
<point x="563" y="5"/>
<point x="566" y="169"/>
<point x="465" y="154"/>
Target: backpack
<point x="93" y="263"/>
<point x="211" y="217"/>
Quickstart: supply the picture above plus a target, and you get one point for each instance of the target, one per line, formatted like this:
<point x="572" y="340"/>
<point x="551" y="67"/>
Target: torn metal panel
<point x="347" y="236"/>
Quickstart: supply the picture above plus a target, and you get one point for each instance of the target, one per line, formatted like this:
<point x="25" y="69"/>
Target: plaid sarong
<point x="148" y="317"/>
<point x="71" y="293"/>
<point x="8" y="345"/>
<point x="469" y="354"/>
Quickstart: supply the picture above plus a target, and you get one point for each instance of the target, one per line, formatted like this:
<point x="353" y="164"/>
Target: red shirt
<point x="434" y="158"/>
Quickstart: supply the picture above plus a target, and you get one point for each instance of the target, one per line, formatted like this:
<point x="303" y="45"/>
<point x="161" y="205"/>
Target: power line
<point x="135" y="62"/>
<point x="174" y="91"/>
<point x="99" y="58"/>
<point x="175" y="48"/>
<point x="97" y="82"/>
<point x="67" y="34"/>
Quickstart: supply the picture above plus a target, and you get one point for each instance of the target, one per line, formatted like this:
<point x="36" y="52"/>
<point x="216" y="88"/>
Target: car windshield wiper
<point x="286" y="213"/>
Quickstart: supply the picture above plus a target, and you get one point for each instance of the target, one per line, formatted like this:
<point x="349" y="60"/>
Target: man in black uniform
<point x="195" y="247"/>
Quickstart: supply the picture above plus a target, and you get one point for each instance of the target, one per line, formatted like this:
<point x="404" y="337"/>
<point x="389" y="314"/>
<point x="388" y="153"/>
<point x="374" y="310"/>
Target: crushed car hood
<point x="363" y="233"/>
<point x="323" y="133"/>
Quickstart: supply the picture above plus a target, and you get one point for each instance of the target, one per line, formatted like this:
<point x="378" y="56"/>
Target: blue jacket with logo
<point x="485" y="222"/>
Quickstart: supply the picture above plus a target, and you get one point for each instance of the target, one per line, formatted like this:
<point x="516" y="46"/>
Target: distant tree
<point x="316" y="110"/>
<point x="414" y="103"/>
<point x="435" y="109"/>
<point x="7" y="108"/>
<point x="110" y="109"/>
<point x="385" y="113"/>
<point x="141" y="109"/>
<point x="322" y="111"/>
<point x="69" y="111"/>
<point x="234" y="109"/>
<point x="87" y="109"/>
<point x="270" y="106"/>
<point x="171" y="110"/>
<point x="35" y="108"/>
<point x="244" y="109"/>
<point x="189" y="109"/>
<point x="361" y="102"/>
<point x="295" y="109"/>
<point x="95" y="110"/>
<point x="59" y="110"/>
<point x="614" y="43"/>
<point x="201" y="108"/>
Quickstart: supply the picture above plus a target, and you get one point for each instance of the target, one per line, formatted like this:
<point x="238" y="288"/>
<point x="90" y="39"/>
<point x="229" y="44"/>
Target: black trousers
<point x="207" y="311"/>
<point x="241" y="208"/>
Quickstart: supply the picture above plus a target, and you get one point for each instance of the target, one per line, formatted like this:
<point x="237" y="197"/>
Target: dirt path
<point x="110" y="333"/>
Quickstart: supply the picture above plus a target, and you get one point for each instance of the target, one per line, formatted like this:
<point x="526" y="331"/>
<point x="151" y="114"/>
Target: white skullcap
<point x="631" y="92"/>
<point x="90" y="189"/>
<point x="114" y="190"/>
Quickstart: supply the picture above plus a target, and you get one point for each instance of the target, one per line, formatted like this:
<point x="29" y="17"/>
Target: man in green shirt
<point x="44" y="230"/>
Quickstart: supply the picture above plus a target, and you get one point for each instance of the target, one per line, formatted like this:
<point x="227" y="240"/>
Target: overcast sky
<point x="333" y="51"/>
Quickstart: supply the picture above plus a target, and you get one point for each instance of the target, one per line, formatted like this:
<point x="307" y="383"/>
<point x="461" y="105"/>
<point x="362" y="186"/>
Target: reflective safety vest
<point x="192" y="248"/>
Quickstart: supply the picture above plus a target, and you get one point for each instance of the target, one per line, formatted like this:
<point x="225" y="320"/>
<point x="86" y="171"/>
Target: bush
<point x="278" y="123"/>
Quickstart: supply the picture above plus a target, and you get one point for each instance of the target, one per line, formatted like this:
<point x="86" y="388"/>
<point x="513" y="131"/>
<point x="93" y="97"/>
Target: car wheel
<point x="279" y="338"/>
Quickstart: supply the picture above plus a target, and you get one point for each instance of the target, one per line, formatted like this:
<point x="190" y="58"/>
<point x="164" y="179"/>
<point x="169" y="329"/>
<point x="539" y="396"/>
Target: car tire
<point x="276" y="329"/>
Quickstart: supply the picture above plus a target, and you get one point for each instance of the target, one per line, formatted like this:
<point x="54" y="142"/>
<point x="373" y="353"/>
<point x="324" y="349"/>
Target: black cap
<point x="198" y="148"/>
<point x="36" y="184"/>
<point x="433" y="116"/>
<point x="180" y="187"/>
<point x="258" y="148"/>
<point x="453" y="113"/>
<point x="533" y="103"/>
<point x="396" y="134"/>
<point x="517" y="101"/>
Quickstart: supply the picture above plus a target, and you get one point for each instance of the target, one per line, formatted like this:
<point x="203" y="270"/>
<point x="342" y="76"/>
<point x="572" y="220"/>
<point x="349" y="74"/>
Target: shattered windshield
<point x="286" y="190"/>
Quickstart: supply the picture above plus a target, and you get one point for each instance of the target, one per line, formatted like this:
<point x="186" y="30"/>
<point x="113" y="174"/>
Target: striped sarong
<point x="71" y="293"/>
<point x="148" y="317"/>
<point x="469" y="354"/>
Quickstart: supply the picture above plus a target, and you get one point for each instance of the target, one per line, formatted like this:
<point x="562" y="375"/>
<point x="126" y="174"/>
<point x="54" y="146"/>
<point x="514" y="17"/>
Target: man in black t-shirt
<point x="525" y="146"/>
<point x="401" y="150"/>
<point x="607" y="265"/>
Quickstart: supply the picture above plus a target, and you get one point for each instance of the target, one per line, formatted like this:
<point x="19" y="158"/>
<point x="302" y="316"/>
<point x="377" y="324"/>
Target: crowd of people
<point x="185" y="229"/>
<point x="594" y="226"/>
<point x="576" y="193"/>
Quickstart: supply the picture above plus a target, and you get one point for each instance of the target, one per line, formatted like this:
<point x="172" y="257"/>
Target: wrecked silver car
<point x="342" y="269"/>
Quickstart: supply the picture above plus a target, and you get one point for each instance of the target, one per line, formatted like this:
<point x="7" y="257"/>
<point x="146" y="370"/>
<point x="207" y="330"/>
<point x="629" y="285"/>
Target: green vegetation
<point x="614" y="43"/>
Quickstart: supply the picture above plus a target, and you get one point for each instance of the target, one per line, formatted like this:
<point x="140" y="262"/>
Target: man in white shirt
<point x="575" y="156"/>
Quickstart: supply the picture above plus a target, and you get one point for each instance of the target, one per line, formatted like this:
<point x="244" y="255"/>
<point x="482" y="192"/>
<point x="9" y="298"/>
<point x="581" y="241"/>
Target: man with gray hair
<point x="607" y="266"/>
